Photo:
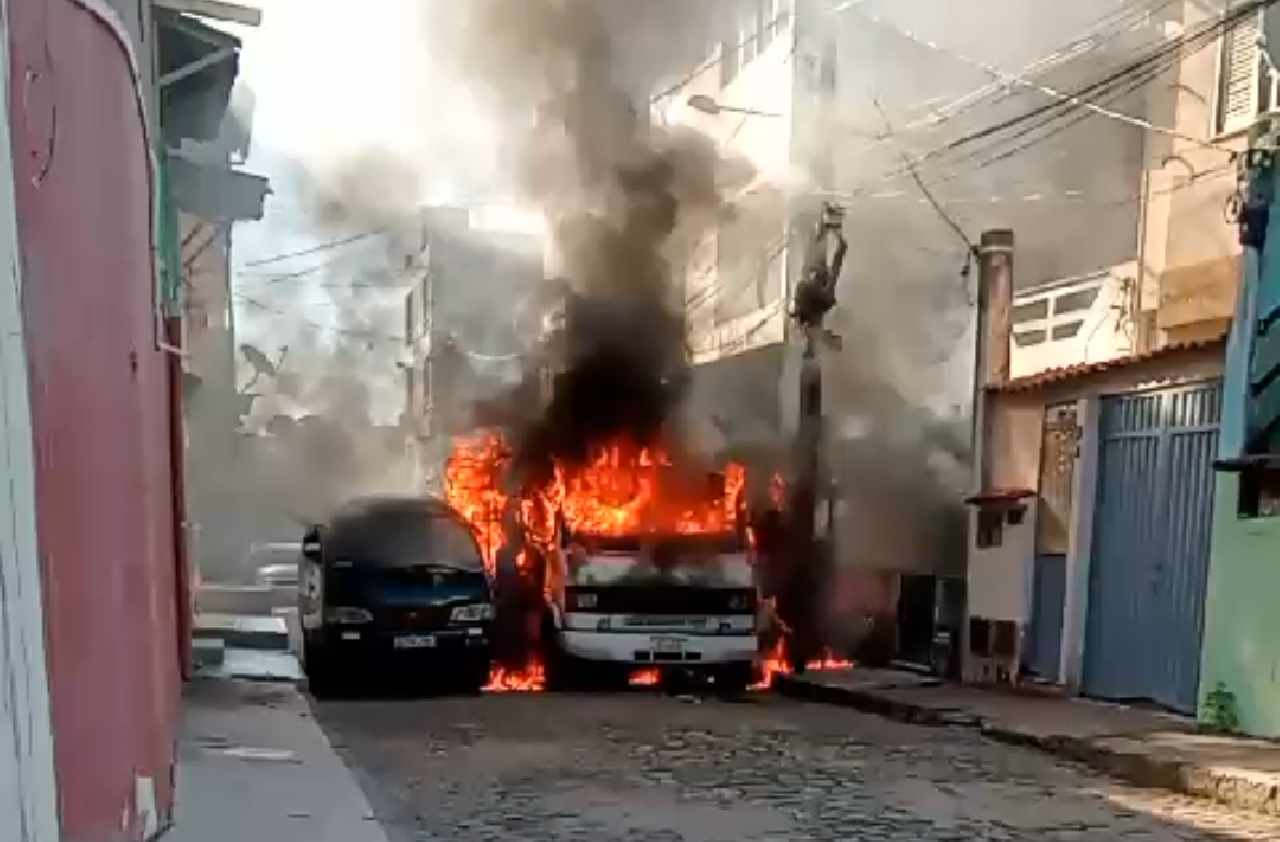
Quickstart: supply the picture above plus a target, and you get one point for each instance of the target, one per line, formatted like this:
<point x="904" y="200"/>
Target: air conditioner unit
<point x="1264" y="134"/>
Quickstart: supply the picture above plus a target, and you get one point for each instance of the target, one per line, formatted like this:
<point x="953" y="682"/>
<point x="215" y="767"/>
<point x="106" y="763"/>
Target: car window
<point x="398" y="539"/>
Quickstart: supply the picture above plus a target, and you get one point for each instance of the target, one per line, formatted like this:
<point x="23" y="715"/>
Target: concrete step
<point x="243" y="632"/>
<point x="208" y="653"/>
<point x="254" y="600"/>
<point x="255" y="665"/>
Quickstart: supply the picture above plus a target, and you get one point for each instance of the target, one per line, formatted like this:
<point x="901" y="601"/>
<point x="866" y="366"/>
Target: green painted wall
<point x="1242" y="614"/>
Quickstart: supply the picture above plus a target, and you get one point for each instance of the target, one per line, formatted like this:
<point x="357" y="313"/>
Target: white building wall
<point x="749" y="252"/>
<point x="1074" y="321"/>
<point x="28" y="794"/>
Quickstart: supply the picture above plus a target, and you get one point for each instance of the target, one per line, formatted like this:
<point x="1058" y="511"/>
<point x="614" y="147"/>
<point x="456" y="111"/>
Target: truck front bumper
<point x="641" y="649"/>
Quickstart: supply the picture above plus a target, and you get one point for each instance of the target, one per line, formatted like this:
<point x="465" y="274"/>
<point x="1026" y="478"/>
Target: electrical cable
<point x="938" y="116"/>
<point x="1076" y="49"/>
<point x="1007" y="78"/>
<point x="1143" y="70"/>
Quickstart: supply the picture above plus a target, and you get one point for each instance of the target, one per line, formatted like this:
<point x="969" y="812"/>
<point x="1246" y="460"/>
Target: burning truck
<point x="620" y="567"/>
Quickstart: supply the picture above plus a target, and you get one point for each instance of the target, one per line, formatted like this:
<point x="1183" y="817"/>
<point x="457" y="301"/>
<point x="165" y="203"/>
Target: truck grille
<point x="667" y="601"/>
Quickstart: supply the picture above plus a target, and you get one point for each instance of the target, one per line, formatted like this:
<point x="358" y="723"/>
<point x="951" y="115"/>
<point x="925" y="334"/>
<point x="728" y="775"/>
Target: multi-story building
<point x="469" y="319"/>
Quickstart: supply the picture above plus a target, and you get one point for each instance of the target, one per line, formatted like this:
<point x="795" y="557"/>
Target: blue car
<point x="394" y="586"/>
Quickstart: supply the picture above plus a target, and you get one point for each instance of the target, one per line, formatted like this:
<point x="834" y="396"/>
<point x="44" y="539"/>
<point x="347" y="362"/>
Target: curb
<point x="1138" y="769"/>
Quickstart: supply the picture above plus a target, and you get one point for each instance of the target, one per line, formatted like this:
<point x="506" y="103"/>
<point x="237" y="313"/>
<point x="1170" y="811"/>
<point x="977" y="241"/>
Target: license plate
<point x="415" y="641"/>
<point x="668" y="644"/>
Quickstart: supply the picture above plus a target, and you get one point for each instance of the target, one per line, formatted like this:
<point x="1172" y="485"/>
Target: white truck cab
<point x="681" y="604"/>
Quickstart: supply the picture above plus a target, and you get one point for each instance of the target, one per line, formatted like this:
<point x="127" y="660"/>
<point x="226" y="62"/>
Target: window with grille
<point x="1247" y="85"/>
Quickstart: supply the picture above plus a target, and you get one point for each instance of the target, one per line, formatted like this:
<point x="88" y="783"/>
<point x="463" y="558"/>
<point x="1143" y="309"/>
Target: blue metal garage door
<point x="1150" y="556"/>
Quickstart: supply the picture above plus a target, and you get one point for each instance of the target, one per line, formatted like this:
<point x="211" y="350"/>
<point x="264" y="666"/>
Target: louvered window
<point x="1247" y="87"/>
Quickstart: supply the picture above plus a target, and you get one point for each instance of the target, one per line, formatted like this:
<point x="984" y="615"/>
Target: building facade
<point x="1131" y="565"/>
<point x="1239" y="687"/>
<point x="93" y="556"/>
<point x="99" y="383"/>
<point x="28" y="788"/>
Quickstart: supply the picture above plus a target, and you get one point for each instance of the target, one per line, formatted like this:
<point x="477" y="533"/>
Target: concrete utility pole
<point x="995" y="322"/>
<point x="815" y="297"/>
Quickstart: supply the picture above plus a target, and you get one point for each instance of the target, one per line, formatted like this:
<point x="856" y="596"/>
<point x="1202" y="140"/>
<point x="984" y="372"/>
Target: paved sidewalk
<point x="1142" y="747"/>
<point x="253" y="765"/>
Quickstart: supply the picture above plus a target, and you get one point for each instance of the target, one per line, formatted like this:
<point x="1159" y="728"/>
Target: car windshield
<point x="404" y="539"/>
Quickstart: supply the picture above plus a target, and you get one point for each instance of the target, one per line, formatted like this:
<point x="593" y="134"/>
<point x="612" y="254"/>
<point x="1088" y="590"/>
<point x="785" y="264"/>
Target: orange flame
<point x="530" y="679"/>
<point x="623" y="489"/>
<point x="645" y="678"/>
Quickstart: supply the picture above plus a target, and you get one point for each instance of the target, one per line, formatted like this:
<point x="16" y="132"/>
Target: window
<point x="410" y="307"/>
<point x="749" y="37"/>
<point x="1259" y="493"/>
<point x="780" y="14"/>
<point x="1247" y="87"/>
<point x="1066" y="330"/>
<point x="764" y="23"/>
<point x="1074" y="302"/>
<point x="1026" y="338"/>
<point x="747" y="275"/>
<point x="990" y="528"/>
<point x="1031" y="311"/>
<point x="730" y="61"/>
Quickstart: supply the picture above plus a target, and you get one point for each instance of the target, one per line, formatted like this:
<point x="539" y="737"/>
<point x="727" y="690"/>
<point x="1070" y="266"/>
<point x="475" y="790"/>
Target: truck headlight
<point x="476" y="613"/>
<point x="342" y="616"/>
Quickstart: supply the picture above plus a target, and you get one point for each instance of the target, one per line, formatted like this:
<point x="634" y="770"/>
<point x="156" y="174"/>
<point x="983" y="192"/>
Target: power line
<point x="368" y="336"/>
<point x="928" y="195"/>
<point x="1112" y="26"/>
<point x="1137" y="73"/>
<point x="328" y="245"/>
<point x="1010" y="78"/>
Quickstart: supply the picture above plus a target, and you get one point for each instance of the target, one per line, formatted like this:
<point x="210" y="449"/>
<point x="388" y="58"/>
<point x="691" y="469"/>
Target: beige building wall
<point x="1190" y="247"/>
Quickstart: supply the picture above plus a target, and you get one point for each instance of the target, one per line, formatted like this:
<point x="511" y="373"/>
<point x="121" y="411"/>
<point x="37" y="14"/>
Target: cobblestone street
<point x="641" y="767"/>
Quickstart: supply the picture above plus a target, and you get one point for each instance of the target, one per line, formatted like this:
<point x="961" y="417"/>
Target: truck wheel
<point x="564" y="673"/>
<point x="735" y="679"/>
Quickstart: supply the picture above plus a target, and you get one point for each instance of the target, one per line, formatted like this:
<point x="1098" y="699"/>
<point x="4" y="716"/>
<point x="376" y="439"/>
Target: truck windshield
<point x="710" y="562"/>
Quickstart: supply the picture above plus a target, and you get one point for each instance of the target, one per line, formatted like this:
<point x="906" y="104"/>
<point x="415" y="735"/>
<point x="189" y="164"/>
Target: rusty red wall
<point x="99" y="397"/>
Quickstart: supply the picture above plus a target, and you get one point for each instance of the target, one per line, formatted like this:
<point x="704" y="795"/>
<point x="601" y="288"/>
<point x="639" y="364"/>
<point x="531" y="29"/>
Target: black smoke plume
<point x="624" y="200"/>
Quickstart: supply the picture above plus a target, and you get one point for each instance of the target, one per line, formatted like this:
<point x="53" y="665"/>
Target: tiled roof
<point x="1069" y="372"/>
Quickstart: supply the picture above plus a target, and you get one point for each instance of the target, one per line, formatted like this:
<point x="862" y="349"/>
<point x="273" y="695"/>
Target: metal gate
<point x="1150" y="559"/>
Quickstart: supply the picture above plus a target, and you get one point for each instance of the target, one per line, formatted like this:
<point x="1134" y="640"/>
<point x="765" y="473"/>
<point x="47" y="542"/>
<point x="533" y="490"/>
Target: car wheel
<point x="323" y="671"/>
<point x="477" y="676"/>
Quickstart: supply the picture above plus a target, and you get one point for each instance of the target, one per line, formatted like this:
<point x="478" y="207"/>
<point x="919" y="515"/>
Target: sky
<point x="332" y="80"/>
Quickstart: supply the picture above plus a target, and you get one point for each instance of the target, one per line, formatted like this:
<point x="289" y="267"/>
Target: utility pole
<point x="815" y="297"/>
